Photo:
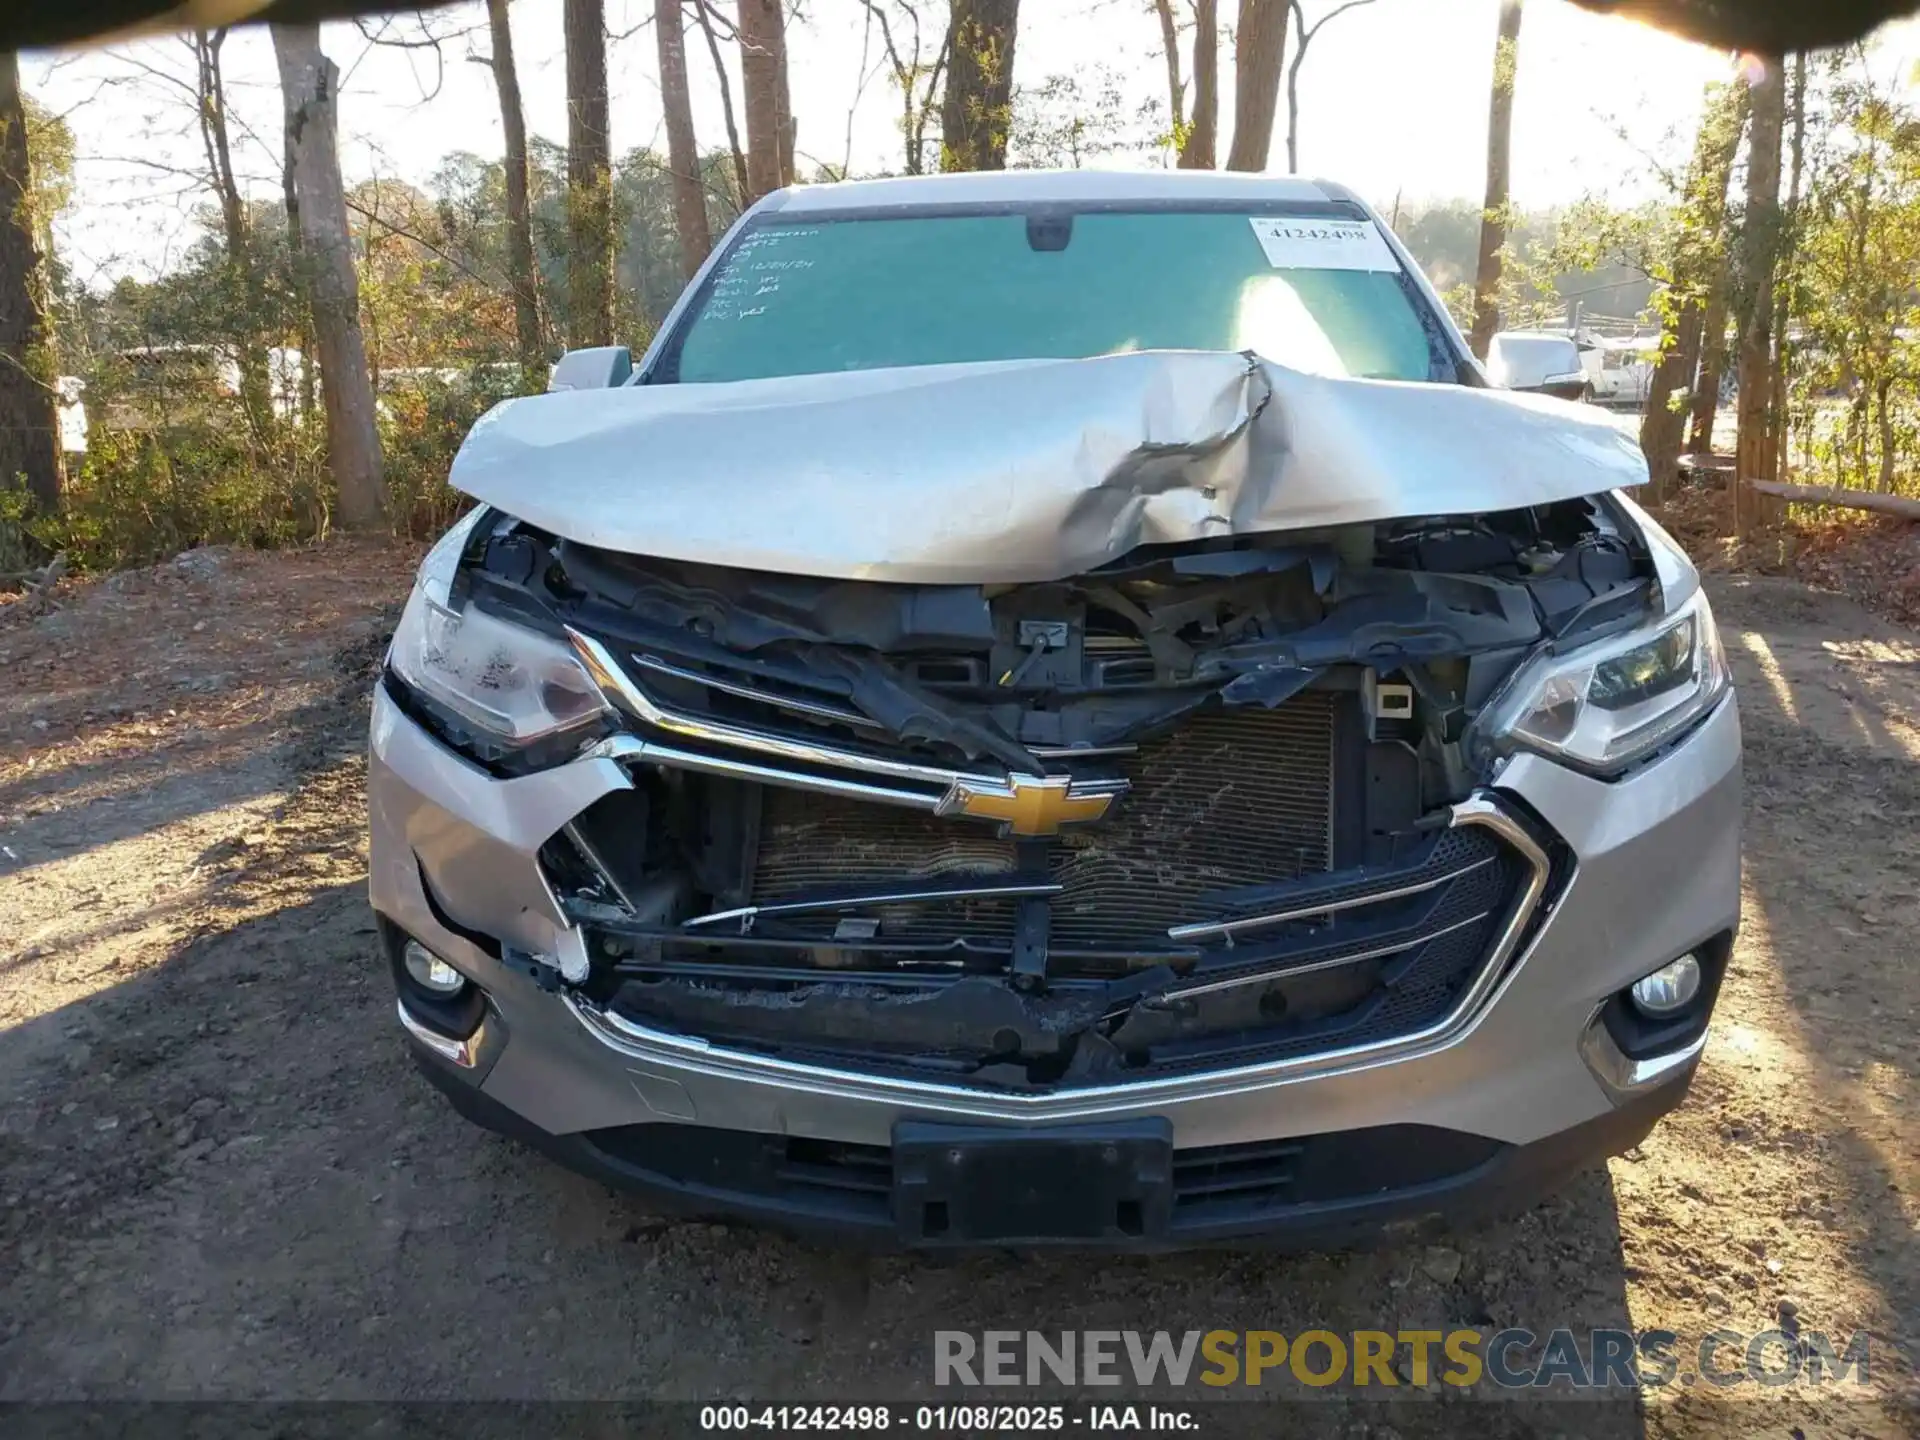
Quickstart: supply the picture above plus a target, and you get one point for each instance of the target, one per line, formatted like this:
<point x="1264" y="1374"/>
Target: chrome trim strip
<point x="1074" y="752"/>
<point x="991" y="890"/>
<point x="632" y="747"/>
<point x="464" y="1053"/>
<point x="1621" y="1077"/>
<point x="1283" y="972"/>
<point x="955" y="785"/>
<point x="640" y="1042"/>
<point x="591" y="854"/>
<point x="747" y="692"/>
<point x="609" y="676"/>
<point x="1230" y="928"/>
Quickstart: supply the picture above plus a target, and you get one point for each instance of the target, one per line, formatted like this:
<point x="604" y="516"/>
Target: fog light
<point x="430" y="972"/>
<point x="1669" y="989"/>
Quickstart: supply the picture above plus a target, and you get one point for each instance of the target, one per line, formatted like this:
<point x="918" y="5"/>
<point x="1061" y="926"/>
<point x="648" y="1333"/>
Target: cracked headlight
<point x="1606" y="705"/>
<point x="490" y="688"/>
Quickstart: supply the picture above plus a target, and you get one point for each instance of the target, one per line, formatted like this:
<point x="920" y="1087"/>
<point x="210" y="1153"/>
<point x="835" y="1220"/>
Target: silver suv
<point x="1057" y="708"/>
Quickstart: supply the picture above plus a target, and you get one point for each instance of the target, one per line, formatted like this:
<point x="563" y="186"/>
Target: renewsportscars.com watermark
<point x="1513" y="1359"/>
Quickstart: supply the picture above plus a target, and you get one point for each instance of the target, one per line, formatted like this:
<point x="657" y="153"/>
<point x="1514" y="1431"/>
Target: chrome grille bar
<point x="1203" y="928"/>
<point x="817" y="709"/>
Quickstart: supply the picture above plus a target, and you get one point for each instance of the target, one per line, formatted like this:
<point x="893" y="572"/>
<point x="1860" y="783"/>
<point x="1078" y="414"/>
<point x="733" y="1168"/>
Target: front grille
<point x="1230" y="799"/>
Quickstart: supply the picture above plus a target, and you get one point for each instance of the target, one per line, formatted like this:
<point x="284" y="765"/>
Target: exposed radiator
<point x="1233" y="798"/>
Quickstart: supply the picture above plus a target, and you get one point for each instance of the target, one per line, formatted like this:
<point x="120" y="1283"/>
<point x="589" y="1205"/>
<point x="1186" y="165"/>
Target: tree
<point x="1195" y="135"/>
<point x="703" y="12"/>
<point x="763" y="77"/>
<point x="1306" y="34"/>
<point x="1759" y="255"/>
<point x="1069" y="119"/>
<point x="683" y="151"/>
<point x="1694" y="273"/>
<point x="976" y="111"/>
<point x="309" y="81"/>
<point x="1493" y="214"/>
<point x="1713" y="365"/>
<point x="528" y="325"/>
<point x="1259" y="52"/>
<point x="589" y="177"/>
<point x="1856" y="252"/>
<point x="244" y="275"/>
<point x="1777" y="435"/>
<point x="917" y="80"/>
<point x="29" y="436"/>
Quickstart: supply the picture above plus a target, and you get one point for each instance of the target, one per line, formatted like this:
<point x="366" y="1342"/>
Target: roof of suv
<point x="1086" y="187"/>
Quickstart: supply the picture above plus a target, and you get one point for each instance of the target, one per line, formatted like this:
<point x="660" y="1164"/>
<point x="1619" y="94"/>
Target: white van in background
<point x="71" y="411"/>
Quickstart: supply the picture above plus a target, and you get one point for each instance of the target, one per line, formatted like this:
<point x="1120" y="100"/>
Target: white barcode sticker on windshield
<point x="1299" y="242"/>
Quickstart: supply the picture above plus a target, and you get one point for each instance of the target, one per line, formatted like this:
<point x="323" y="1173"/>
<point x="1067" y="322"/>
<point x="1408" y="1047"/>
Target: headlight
<point x="1604" y="706"/>
<point x="503" y="688"/>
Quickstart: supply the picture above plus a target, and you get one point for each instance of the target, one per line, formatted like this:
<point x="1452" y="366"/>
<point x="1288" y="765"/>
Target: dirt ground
<point x="222" y="1178"/>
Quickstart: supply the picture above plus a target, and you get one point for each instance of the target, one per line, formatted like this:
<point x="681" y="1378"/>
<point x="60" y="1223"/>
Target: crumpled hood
<point x="1018" y="471"/>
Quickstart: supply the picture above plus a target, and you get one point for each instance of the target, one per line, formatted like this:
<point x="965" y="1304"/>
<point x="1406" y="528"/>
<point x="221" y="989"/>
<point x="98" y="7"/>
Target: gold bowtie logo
<point x="1033" y="804"/>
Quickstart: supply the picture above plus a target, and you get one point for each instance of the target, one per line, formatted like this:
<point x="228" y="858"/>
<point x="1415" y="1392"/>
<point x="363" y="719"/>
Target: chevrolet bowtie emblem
<point x="1033" y="804"/>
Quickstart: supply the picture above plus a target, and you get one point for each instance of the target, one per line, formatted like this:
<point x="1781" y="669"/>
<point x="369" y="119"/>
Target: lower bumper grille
<point x="1213" y="1186"/>
<point x="1237" y="798"/>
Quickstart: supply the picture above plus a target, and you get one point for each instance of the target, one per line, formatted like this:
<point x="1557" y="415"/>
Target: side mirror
<point x="1569" y="386"/>
<point x="598" y="368"/>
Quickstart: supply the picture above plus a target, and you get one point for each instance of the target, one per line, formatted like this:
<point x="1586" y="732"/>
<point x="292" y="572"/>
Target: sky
<point x="1393" y="103"/>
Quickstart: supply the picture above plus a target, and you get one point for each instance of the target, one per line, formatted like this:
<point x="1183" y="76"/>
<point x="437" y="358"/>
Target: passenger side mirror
<point x="598" y="368"/>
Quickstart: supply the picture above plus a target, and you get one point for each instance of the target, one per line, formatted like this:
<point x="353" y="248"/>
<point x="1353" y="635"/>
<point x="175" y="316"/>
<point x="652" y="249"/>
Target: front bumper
<point x="1654" y="873"/>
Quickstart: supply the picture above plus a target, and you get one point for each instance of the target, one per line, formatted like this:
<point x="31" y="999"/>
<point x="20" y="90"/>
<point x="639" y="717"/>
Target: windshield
<point x="1322" y="294"/>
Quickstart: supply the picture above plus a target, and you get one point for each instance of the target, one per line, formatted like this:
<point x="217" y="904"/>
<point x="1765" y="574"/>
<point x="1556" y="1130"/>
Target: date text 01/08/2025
<point x="948" y="1419"/>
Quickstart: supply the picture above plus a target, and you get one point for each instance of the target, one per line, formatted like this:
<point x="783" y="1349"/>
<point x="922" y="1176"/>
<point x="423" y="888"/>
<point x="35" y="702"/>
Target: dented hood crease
<point x="1019" y="471"/>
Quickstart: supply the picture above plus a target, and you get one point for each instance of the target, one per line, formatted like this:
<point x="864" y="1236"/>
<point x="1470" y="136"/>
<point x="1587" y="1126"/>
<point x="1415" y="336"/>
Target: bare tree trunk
<point x="29" y="420"/>
<point x="762" y="63"/>
<point x="309" y="81"/>
<point x="1780" y="431"/>
<point x="296" y="269"/>
<point x="255" y="391"/>
<point x="783" y="100"/>
<point x="1304" y="36"/>
<point x="700" y="9"/>
<point x="1713" y="366"/>
<point x="589" y="177"/>
<point x="1846" y="497"/>
<point x="214" y="136"/>
<point x="1198" y="146"/>
<point x="1176" y="87"/>
<point x="1259" y="56"/>
<point x="683" y="151"/>
<point x="522" y="274"/>
<point x="976" y="110"/>
<point x="1759" y="249"/>
<point x="1699" y="263"/>
<point x="1882" y="393"/>
<point x="909" y="75"/>
<point x="1493" y="215"/>
<point x="1293" y="96"/>
<point x="1661" y="425"/>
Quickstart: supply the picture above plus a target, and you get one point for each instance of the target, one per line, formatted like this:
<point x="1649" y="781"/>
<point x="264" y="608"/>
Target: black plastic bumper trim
<point x="806" y="1201"/>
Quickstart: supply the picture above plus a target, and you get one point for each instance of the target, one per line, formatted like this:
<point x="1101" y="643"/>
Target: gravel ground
<point x="223" y="1180"/>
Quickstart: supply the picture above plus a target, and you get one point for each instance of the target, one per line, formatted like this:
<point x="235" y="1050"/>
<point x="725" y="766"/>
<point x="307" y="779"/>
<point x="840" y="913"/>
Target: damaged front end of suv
<point x="1195" y="791"/>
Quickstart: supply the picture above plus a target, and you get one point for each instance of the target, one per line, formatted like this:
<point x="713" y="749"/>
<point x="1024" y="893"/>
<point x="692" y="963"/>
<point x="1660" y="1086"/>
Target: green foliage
<point x="423" y="419"/>
<point x="1855" y="363"/>
<point x="1551" y="258"/>
<point x="1068" y="120"/>
<point x="140" y="497"/>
